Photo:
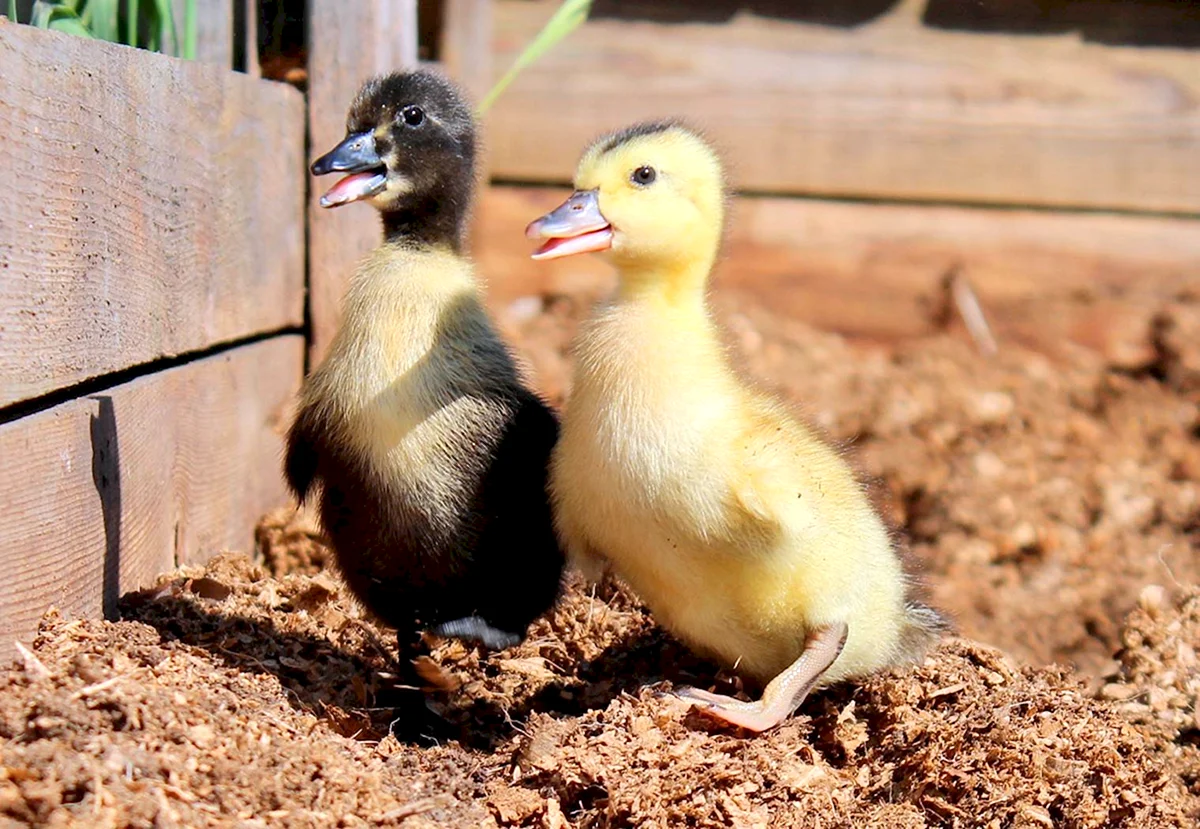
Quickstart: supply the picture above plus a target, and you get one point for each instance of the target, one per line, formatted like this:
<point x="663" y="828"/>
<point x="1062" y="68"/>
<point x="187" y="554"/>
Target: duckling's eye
<point x="413" y="115"/>
<point x="643" y="175"/>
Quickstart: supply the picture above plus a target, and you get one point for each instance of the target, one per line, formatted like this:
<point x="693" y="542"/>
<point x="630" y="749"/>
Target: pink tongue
<point x="352" y="188"/>
<point x="586" y="243"/>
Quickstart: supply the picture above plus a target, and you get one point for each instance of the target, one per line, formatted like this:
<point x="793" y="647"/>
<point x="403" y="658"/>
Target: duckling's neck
<point x="679" y="284"/>
<point x="429" y="222"/>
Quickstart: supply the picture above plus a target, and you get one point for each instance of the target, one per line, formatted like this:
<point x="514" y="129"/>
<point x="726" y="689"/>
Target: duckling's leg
<point x="413" y="719"/>
<point x="476" y="629"/>
<point x="784" y="693"/>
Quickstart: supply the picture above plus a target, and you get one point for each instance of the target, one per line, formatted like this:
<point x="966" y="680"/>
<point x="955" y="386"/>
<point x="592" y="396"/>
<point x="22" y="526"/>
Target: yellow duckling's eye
<point x="643" y="176"/>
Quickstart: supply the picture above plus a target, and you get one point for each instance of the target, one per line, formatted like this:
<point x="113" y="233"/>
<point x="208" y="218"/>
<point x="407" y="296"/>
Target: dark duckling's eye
<point x="643" y="175"/>
<point x="414" y="116"/>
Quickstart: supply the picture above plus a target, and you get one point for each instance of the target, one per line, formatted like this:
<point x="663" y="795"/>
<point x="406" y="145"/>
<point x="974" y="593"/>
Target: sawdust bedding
<point x="1053" y="506"/>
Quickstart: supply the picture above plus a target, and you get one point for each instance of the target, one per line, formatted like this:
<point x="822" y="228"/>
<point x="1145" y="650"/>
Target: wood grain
<point x="103" y="493"/>
<point x="151" y="207"/>
<point x="349" y="41"/>
<point x="887" y="109"/>
<point x="876" y="271"/>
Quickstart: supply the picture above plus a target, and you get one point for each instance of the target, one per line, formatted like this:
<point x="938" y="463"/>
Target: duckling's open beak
<point x="355" y="155"/>
<point x="575" y="226"/>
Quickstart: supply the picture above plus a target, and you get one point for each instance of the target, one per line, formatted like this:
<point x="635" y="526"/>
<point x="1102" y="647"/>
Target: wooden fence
<point x="1039" y="149"/>
<point x="152" y="284"/>
<point x="890" y="108"/>
<point x="156" y="246"/>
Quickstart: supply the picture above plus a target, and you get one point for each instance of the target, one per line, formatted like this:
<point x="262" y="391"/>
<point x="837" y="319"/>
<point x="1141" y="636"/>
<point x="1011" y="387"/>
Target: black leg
<point x="412" y="719"/>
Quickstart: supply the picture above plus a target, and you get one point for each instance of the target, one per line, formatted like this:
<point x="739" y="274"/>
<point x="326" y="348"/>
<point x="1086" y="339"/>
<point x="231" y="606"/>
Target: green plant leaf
<point x="12" y="10"/>
<point x="70" y="25"/>
<point x="189" y="30"/>
<point x="39" y="17"/>
<point x="568" y="17"/>
<point x="101" y="18"/>
<point x="47" y="15"/>
<point x="153" y="37"/>
<point x="132" y="20"/>
<point x="166" y="26"/>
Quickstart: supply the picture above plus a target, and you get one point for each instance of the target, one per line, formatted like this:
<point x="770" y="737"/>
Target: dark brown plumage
<point x="429" y="453"/>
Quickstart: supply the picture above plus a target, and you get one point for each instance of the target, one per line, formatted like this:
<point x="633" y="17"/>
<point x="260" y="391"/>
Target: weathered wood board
<point x="876" y="271"/>
<point x="349" y="41"/>
<point x="889" y="108"/>
<point x="466" y="56"/>
<point x="103" y="493"/>
<point x="466" y="47"/>
<point x="152" y="207"/>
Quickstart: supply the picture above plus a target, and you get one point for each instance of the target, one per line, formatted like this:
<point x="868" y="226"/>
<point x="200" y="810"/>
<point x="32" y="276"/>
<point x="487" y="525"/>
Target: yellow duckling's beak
<point x="575" y="226"/>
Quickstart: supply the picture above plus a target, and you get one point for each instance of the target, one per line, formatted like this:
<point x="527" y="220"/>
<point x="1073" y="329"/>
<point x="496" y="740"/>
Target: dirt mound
<point x="1046" y="499"/>
<point x="1157" y="683"/>
<point x="965" y="739"/>
<point x="238" y="695"/>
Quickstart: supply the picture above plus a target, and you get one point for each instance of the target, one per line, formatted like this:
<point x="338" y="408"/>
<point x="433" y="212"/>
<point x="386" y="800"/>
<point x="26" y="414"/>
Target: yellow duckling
<point x="746" y="535"/>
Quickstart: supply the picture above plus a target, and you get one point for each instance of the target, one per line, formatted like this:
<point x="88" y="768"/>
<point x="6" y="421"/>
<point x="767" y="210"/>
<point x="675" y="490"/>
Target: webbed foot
<point x="476" y="629"/>
<point x="784" y="693"/>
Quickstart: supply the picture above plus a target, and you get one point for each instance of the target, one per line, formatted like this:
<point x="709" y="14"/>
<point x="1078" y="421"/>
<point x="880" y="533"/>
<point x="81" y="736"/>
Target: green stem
<point x="189" y="30"/>
<point x="131" y="23"/>
<point x="569" y="15"/>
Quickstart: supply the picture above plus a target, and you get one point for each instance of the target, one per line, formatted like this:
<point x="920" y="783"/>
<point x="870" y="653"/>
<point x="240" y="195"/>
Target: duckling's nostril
<point x="577" y="207"/>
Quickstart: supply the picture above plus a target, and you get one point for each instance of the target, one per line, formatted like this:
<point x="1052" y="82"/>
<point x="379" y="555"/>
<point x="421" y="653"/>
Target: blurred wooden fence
<point x="1042" y="150"/>
<point x="889" y="108"/>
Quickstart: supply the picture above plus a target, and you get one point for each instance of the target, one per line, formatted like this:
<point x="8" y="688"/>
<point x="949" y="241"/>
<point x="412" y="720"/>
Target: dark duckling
<point x="430" y="454"/>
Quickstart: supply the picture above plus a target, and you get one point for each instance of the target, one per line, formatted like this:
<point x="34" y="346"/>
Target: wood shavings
<point x="33" y="665"/>
<point x="265" y="697"/>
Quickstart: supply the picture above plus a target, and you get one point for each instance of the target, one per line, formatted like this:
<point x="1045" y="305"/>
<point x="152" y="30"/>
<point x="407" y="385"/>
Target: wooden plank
<point x="214" y="29"/>
<point x="152" y="207"/>
<point x="466" y="56"/>
<point x="876" y="271"/>
<point x="465" y="48"/>
<point x="103" y="493"/>
<point x="887" y="109"/>
<point x="349" y="41"/>
<point x="1144" y="23"/>
<point x="250" y="59"/>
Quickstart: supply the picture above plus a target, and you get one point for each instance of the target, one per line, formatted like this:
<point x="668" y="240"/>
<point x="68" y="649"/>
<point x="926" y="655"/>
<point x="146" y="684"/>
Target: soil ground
<point x="1052" y="503"/>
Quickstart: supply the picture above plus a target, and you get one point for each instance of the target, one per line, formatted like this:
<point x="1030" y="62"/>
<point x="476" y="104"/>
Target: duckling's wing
<point x="739" y="517"/>
<point x="750" y="500"/>
<point x="768" y="472"/>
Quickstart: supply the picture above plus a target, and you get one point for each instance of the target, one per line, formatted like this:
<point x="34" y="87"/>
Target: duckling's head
<point x="650" y="196"/>
<point x="409" y="151"/>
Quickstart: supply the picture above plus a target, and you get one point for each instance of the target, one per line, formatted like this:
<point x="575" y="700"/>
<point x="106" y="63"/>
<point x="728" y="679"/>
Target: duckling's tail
<point x="924" y="626"/>
<point x="300" y="460"/>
